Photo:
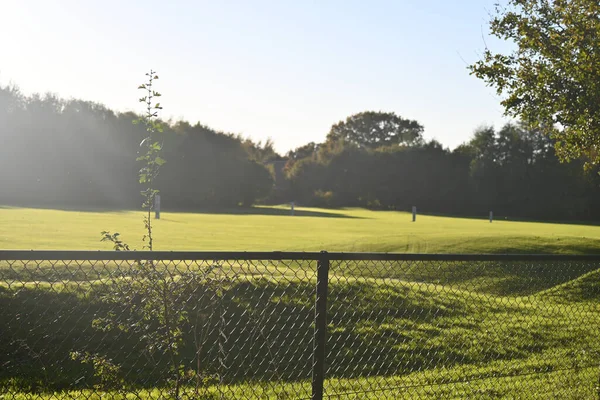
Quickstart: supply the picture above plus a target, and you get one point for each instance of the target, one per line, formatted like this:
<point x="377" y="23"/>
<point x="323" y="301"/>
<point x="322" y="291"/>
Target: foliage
<point x="154" y="297"/>
<point x="151" y="302"/>
<point x="76" y="154"/>
<point x="114" y="238"/>
<point x="107" y="373"/>
<point x="308" y="151"/>
<point x="260" y="152"/>
<point x="323" y="199"/>
<point x="151" y="162"/>
<point x="151" y="156"/>
<point x="512" y="171"/>
<point x="551" y="79"/>
<point x="371" y="129"/>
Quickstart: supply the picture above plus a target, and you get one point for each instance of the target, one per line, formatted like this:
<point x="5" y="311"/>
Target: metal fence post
<point x="320" y="335"/>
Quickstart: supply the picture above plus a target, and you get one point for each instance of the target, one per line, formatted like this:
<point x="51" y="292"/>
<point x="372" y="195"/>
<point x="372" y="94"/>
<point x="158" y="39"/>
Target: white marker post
<point x="414" y="210"/>
<point x="292" y="209"/>
<point x="491" y="216"/>
<point x="157" y="206"/>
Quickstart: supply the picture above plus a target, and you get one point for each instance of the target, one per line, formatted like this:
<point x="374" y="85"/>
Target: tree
<point x="551" y="80"/>
<point x="372" y="129"/>
<point x="160" y="314"/>
<point x="260" y="152"/>
<point x="150" y="158"/>
<point x="308" y="150"/>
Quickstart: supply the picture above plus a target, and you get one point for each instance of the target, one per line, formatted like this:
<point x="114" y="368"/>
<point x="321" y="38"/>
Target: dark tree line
<point x="513" y="171"/>
<point x="73" y="153"/>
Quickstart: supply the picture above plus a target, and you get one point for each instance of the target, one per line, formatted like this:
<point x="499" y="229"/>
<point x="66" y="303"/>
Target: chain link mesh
<point x="463" y="329"/>
<point x="245" y="328"/>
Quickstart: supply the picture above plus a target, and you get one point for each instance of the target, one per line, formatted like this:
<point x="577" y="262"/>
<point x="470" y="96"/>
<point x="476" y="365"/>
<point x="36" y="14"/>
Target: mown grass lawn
<point x="424" y="330"/>
<point x="271" y="228"/>
<point x="387" y="337"/>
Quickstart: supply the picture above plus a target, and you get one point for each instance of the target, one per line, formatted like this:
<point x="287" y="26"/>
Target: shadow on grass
<point x="74" y="208"/>
<point x="269" y="334"/>
<point x="226" y="210"/>
<point x="502" y="218"/>
<point x="537" y="245"/>
<point x="269" y="211"/>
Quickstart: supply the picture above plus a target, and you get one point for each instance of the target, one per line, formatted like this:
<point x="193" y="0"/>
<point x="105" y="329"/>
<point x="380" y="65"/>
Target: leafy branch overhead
<point x="551" y="79"/>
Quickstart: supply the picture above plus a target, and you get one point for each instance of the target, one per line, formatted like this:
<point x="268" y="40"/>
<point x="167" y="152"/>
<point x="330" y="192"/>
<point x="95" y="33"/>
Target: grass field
<point x="271" y="228"/>
<point x="485" y="330"/>
<point x="387" y="337"/>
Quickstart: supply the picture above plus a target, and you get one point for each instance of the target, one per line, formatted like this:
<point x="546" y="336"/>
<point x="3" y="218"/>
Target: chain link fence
<point x="151" y="325"/>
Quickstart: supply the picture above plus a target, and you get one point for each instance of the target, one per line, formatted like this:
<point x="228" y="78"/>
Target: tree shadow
<point x="212" y="210"/>
<point x="268" y="211"/>
<point x="505" y="218"/>
<point x="75" y="208"/>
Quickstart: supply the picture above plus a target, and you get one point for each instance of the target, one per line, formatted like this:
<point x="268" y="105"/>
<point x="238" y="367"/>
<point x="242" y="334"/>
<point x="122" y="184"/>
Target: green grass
<point x="406" y="339"/>
<point x="270" y="228"/>
<point x="430" y="330"/>
<point x="563" y="385"/>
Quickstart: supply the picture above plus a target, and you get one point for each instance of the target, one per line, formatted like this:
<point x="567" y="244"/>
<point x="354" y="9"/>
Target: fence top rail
<point x="57" y="255"/>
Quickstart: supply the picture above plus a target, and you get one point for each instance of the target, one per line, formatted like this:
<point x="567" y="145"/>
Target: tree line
<point x="74" y="153"/>
<point x="381" y="161"/>
<point x="80" y="154"/>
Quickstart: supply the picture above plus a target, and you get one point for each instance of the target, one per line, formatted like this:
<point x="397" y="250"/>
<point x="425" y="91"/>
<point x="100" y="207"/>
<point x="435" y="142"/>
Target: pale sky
<point x="283" y="69"/>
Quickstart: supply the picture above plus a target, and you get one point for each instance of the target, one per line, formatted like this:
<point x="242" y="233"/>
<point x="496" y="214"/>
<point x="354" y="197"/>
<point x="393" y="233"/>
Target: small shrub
<point x="323" y="198"/>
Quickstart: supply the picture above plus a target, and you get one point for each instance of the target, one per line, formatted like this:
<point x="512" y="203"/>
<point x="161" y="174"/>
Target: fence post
<point x="320" y="335"/>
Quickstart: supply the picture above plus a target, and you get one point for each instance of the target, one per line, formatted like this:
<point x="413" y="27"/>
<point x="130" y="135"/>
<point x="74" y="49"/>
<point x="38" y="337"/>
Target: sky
<point x="285" y="70"/>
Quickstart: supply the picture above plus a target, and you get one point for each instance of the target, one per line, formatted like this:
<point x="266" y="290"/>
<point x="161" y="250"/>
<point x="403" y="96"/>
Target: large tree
<point x="371" y="129"/>
<point x="552" y="77"/>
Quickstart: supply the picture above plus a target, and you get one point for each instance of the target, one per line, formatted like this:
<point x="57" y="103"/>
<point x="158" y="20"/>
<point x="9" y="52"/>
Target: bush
<point x="323" y="198"/>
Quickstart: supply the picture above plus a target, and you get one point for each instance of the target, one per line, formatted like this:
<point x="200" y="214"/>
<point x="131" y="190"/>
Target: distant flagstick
<point x="157" y="206"/>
